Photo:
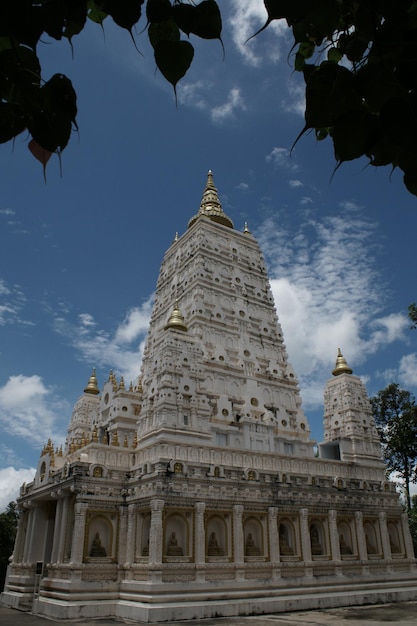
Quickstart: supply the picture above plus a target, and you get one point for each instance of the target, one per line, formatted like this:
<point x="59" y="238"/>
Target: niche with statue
<point x="177" y="538"/>
<point x="372" y="540"/>
<point x="318" y="540"/>
<point x="288" y="547"/>
<point x="347" y="548"/>
<point x="397" y="550"/>
<point x="217" y="543"/>
<point x="99" y="545"/>
<point x="253" y="538"/>
<point x="142" y="536"/>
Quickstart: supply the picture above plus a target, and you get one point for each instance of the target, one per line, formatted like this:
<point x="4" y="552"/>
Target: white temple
<point x="197" y="491"/>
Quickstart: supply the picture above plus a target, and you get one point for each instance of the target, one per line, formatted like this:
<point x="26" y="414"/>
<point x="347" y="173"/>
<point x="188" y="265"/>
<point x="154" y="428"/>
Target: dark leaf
<point x="173" y="59"/>
<point x="163" y="31"/>
<point x="158" y="10"/>
<point x="59" y="97"/>
<point x="125" y="13"/>
<point x="12" y="121"/>
<point x="185" y="17"/>
<point x="208" y="21"/>
<point x="50" y="130"/>
<point x="353" y="134"/>
<point x="95" y="13"/>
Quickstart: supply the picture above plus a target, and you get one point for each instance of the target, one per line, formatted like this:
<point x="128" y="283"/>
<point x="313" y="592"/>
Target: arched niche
<point x="253" y="537"/>
<point x="317" y="539"/>
<point x="371" y="539"/>
<point x="177" y="539"/>
<point x="345" y="539"/>
<point x="287" y="540"/>
<point x="143" y="535"/>
<point x="99" y="538"/>
<point x="217" y="544"/>
<point x="395" y="540"/>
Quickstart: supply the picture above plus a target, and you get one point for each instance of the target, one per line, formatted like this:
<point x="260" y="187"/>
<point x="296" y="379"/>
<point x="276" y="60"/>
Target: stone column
<point x="20" y="536"/>
<point x="122" y="534"/>
<point x="408" y="543"/>
<point x="305" y="536"/>
<point x="131" y="535"/>
<point x="360" y="536"/>
<point x="57" y="531"/>
<point x="77" y="547"/>
<point x="238" y="552"/>
<point x="273" y="534"/>
<point x="334" y="536"/>
<point x="156" y="538"/>
<point x="61" y="545"/>
<point x="29" y="533"/>
<point x="200" y="533"/>
<point x="386" y="548"/>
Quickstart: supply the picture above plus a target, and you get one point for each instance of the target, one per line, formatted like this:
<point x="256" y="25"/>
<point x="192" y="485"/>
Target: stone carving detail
<point x="173" y="548"/>
<point x="213" y="547"/>
<point x="97" y="549"/>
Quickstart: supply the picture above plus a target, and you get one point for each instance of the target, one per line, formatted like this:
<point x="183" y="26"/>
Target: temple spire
<point x="210" y="205"/>
<point x="92" y="386"/>
<point x="341" y="365"/>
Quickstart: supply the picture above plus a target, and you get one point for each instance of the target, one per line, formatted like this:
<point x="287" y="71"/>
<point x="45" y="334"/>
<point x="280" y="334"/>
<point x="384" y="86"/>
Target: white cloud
<point x="295" y="101"/>
<point x="12" y="301"/>
<point x="407" y="373"/>
<point x="30" y="410"/>
<point x="247" y="17"/>
<point x="121" y="350"/>
<point x="243" y="186"/>
<point x="324" y="281"/>
<point x="136" y="323"/>
<point x="233" y="103"/>
<point x="7" y="212"/>
<point x="10" y="481"/>
<point x="281" y="158"/>
<point x="194" y="94"/>
<point x="295" y="183"/>
<point x="391" y="328"/>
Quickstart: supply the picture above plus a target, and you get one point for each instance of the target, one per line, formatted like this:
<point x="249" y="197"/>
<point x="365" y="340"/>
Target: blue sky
<point x="80" y="255"/>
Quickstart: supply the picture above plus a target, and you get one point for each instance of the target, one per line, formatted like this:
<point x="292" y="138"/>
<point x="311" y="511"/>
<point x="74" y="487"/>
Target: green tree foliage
<point x="47" y="109"/>
<point x="395" y="414"/>
<point x="412" y="315"/>
<point x="412" y="520"/>
<point x="8" y="526"/>
<point x="357" y="58"/>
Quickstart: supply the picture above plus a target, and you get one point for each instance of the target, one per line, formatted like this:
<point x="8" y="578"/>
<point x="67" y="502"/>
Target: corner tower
<point x="349" y="428"/>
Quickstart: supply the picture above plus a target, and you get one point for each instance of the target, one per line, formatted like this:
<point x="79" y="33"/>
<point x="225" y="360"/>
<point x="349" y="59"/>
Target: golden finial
<point x="125" y="442"/>
<point x="176" y="237"/>
<point x="92" y="386"/>
<point x="210" y="205"/>
<point x="139" y="387"/>
<point x="246" y="230"/>
<point x="115" y="439"/>
<point x="177" y="319"/>
<point x="94" y="434"/>
<point x="71" y="446"/>
<point x="60" y="453"/>
<point x="111" y="376"/>
<point x="131" y="386"/>
<point x="135" y="440"/>
<point x="341" y="365"/>
<point x="122" y="383"/>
